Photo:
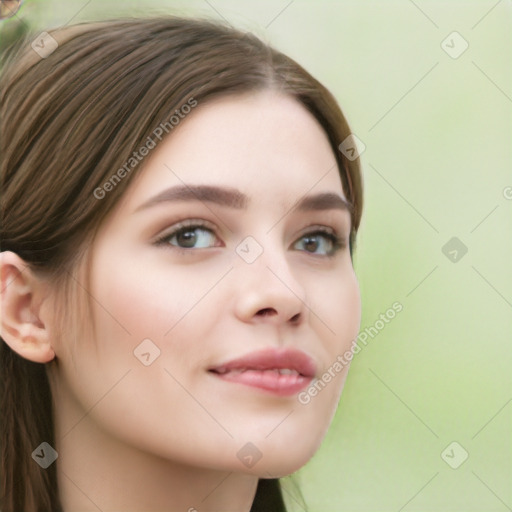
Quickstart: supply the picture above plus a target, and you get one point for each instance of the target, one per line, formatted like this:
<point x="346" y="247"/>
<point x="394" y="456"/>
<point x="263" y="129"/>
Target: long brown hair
<point x="69" y="119"/>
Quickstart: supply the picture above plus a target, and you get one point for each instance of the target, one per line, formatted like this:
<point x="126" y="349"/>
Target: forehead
<point x="264" y="144"/>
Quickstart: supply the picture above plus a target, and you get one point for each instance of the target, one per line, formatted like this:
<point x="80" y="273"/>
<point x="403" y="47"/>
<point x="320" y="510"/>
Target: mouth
<point x="282" y="373"/>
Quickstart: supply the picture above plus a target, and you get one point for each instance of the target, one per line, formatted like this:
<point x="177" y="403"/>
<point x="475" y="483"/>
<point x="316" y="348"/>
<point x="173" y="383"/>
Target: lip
<point x="260" y="370"/>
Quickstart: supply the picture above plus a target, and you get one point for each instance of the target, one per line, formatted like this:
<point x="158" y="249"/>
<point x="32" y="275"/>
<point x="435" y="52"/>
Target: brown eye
<point x="191" y="237"/>
<point x="319" y="243"/>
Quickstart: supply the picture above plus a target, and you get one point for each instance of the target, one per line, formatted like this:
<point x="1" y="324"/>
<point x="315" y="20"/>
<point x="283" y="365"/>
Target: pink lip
<point x="258" y="369"/>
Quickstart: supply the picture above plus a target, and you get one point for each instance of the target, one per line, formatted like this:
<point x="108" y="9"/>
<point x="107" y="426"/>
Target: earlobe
<point x="21" y="326"/>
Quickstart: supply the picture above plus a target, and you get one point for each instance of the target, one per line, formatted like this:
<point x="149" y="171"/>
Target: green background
<point x="437" y="164"/>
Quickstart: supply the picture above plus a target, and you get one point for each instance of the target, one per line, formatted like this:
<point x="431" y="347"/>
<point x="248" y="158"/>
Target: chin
<point x="281" y="463"/>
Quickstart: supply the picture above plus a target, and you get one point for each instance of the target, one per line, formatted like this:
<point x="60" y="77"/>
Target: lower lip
<point x="274" y="382"/>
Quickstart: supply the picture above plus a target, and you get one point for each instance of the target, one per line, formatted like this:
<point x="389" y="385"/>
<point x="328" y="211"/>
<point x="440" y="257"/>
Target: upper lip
<point x="271" y="359"/>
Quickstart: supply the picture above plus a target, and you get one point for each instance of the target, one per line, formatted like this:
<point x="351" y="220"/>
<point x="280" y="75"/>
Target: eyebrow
<point x="233" y="198"/>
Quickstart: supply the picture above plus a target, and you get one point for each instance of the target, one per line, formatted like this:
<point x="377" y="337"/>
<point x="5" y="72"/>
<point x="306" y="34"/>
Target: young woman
<point x="178" y="224"/>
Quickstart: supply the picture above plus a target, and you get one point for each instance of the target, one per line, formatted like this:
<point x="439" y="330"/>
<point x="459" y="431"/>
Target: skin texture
<point x="165" y="436"/>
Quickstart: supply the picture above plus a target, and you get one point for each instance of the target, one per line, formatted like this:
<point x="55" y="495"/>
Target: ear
<point x="21" y="296"/>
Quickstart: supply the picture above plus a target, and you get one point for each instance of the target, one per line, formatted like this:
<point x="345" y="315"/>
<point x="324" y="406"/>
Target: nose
<point x="269" y="293"/>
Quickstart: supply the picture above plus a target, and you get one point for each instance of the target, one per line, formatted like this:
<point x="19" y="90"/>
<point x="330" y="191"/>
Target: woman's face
<point x="221" y="248"/>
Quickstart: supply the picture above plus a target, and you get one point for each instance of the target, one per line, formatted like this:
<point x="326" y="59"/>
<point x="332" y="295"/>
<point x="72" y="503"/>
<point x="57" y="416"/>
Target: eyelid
<point x="322" y="229"/>
<point x="162" y="238"/>
<point x="316" y="227"/>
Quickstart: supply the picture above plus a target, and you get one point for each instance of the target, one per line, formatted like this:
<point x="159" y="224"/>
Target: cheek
<point x="129" y="306"/>
<point x="351" y="308"/>
<point x="338" y="303"/>
<point x="137" y="302"/>
<point x="153" y="310"/>
<point x="339" y="308"/>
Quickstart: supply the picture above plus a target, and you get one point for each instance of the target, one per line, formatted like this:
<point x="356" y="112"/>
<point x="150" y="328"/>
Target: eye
<point x="191" y="236"/>
<point x="197" y="235"/>
<point x="320" y="242"/>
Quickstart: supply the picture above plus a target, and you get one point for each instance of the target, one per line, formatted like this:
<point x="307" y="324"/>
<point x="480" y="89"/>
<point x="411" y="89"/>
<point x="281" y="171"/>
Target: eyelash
<point x="338" y="243"/>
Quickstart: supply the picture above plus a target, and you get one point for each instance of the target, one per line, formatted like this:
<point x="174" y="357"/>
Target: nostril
<point x="267" y="312"/>
<point x="295" y="318"/>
